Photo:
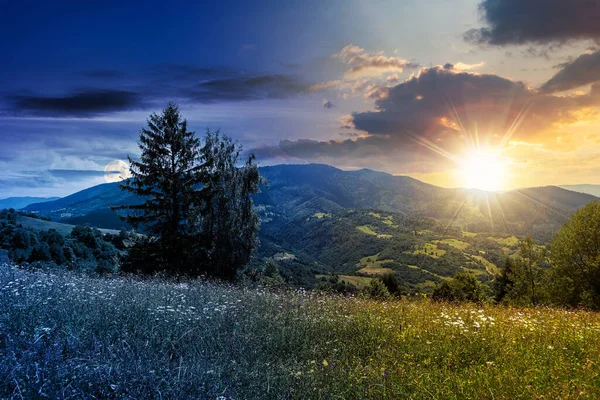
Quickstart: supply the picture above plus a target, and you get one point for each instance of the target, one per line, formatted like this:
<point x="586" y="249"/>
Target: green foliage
<point x="503" y="283"/>
<point x="376" y="289"/>
<point x="463" y="287"/>
<point x="527" y="274"/>
<point x="575" y="274"/>
<point x="84" y="249"/>
<point x="197" y="200"/>
<point x="391" y="283"/>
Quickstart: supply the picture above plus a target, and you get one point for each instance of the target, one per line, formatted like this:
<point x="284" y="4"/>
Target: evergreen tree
<point x="198" y="210"/>
<point x="503" y="284"/>
<point x="166" y="176"/>
<point x="227" y="221"/>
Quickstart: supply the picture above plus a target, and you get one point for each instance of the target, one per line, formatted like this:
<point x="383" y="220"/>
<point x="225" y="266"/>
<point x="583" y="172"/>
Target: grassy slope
<point x="63" y="229"/>
<point x="69" y="336"/>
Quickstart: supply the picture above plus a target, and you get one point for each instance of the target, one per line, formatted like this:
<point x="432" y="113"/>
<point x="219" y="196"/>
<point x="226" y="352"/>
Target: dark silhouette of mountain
<point x="19" y="202"/>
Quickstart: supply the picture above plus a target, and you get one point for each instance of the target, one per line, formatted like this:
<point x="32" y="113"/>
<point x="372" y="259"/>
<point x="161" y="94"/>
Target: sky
<point x="433" y="89"/>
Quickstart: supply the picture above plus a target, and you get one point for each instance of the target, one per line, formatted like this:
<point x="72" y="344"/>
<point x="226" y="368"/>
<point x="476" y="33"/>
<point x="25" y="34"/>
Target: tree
<point x="376" y="289"/>
<point x="166" y="177"/>
<point x="226" y="220"/>
<point x="198" y="212"/>
<point x="463" y="287"/>
<point x="503" y="284"/>
<point x="527" y="273"/>
<point x="575" y="253"/>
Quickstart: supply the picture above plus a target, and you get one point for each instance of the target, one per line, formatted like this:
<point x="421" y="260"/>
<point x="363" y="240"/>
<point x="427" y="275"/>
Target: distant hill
<point x="594" y="190"/>
<point x="41" y="225"/>
<point x="19" y="202"/>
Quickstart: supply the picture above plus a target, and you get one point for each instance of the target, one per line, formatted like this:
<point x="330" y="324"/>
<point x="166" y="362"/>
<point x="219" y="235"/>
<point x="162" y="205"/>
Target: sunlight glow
<point x="483" y="170"/>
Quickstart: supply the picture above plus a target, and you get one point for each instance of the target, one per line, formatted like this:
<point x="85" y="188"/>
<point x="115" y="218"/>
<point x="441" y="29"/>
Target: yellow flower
<point x="325" y="363"/>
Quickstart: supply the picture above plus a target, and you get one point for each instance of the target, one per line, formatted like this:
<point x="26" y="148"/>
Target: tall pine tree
<point x="166" y="177"/>
<point x="197" y="211"/>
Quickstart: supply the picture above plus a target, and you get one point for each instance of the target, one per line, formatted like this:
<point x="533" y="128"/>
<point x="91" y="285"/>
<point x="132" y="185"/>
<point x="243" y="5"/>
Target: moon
<point x="116" y="171"/>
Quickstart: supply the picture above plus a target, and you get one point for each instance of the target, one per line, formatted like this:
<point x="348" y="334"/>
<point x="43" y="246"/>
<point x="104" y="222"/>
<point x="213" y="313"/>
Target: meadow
<point x="72" y="336"/>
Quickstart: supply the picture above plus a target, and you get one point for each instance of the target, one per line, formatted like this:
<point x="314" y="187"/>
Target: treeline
<point x="84" y="249"/>
<point x="567" y="273"/>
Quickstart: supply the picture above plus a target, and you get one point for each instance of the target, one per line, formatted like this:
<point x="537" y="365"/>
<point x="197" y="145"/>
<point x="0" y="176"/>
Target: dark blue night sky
<point x="350" y="83"/>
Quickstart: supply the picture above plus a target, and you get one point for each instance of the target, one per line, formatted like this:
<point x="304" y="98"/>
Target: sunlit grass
<point x="69" y="336"/>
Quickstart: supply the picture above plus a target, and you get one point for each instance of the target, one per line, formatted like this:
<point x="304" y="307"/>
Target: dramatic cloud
<point x="537" y="21"/>
<point x="81" y="104"/>
<point x="444" y="112"/>
<point x="582" y="71"/>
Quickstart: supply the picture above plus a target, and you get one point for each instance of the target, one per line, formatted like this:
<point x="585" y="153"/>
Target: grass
<point x="369" y="231"/>
<point x="510" y="241"/>
<point x="63" y="229"/>
<point x="320" y="215"/>
<point x="358" y="281"/>
<point x="371" y="265"/>
<point x="457" y="244"/>
<point x="70" y="336"/>
<point x="366" y="229"/>
<point x="431" y="250"/>
<point x="469" y="234"/>
<point x="491" y="268"/>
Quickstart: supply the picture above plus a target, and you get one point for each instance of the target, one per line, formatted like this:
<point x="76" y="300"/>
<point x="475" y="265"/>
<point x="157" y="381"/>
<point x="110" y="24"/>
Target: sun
<point x="116" y="171"/>
<point x="483" y="170"/>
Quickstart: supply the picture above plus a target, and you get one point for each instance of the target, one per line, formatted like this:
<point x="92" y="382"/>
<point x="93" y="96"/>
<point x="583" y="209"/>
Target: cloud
<point x="79" y="173"/>
<point x="584" y="70"/>
<point x="367" y="64"/>
<point x="366" y="74"/>
<point x="536" y="21"/>
<point x="80" y="104"/>
<point x="242" y="88"/>
<point x="327" y="103"/>
<point x="437" y="114"/>
<point x="150" y="89"/>
<point x="460" y="66"/>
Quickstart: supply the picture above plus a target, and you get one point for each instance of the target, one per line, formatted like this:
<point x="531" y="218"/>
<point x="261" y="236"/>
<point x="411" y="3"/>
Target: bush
<point x="463" y="287"/>
<point x="376" y="289"/>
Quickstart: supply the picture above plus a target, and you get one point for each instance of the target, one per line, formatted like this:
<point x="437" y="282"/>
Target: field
<point x="65" y="335"/>
<point x="372" y="266"/>
<point x="430" y="249"/>
<point x="63" y="229"/>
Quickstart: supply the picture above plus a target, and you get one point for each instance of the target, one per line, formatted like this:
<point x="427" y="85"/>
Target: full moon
<point x="116" y="171"/>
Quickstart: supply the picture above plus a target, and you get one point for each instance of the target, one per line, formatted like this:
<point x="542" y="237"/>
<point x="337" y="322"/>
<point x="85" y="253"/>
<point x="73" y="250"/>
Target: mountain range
<point x="20" y="202"/>
<point x="321" y="219"/>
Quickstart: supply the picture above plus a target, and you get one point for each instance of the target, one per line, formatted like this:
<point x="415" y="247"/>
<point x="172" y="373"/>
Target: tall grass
<point x="67" y="336"/>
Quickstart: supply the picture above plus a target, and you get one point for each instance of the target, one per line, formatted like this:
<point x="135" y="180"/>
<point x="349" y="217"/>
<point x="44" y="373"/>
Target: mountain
<point x="299" y="191"/>
<point x="594" y="190"/>
<point x="317" y="220"/>
<point x="19" y="202"/>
